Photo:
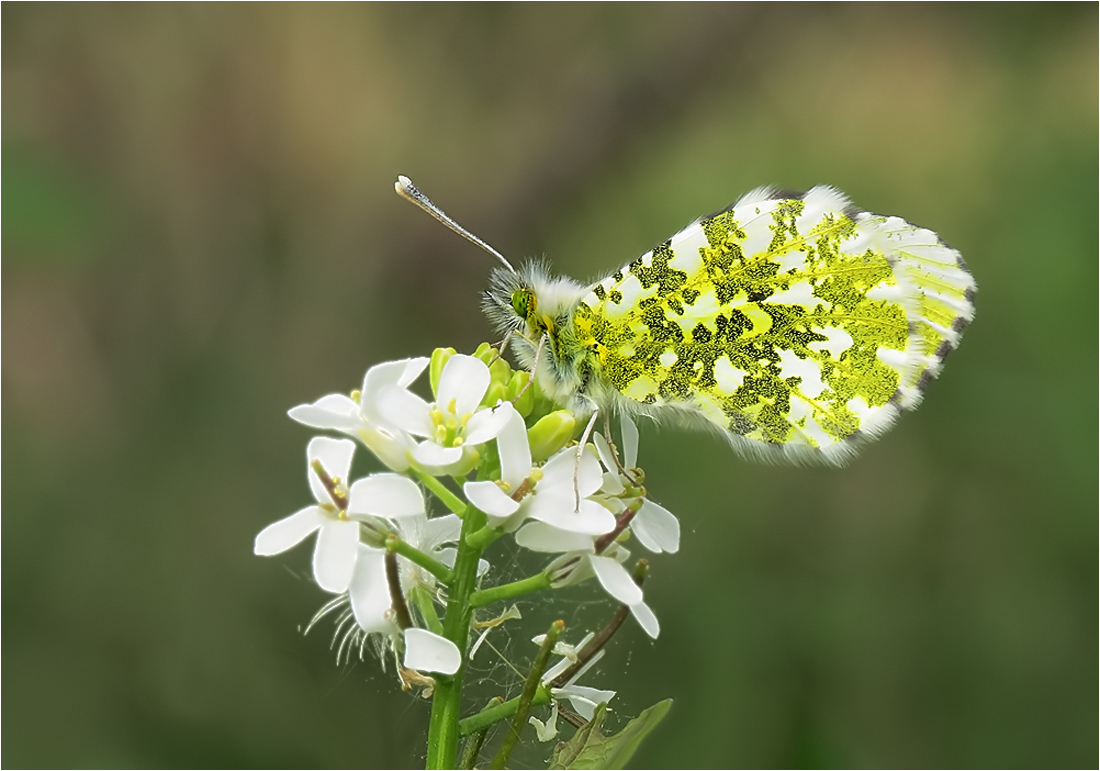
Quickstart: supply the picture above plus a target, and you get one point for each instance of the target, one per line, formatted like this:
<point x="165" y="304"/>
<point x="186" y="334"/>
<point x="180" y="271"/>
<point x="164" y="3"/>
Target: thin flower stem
<point x="585" y="654"/>
<point x="508" y="591"/>
<point x="472" y="748"/>
<point x="493" y="715"/>
<point x="483" y="537"/>
<point x="417" y="557"/>
<point x="446" y="701"/>
<point x="449" y="499"/>
<point x="534" y="678"/>
<point x="422" y="596"/>
<point x="620" y="525"/>
<point x="397" y="597"/>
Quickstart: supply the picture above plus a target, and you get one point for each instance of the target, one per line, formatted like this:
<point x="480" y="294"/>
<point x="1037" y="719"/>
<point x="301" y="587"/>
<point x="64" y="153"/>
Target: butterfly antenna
<point x="407" y="190"/>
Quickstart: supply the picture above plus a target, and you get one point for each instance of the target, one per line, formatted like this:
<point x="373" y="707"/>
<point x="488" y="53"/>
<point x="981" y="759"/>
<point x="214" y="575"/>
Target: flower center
<point x="448" y="426"/>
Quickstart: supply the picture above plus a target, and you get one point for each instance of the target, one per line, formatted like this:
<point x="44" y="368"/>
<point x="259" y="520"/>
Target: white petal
<point x="335" y="456"/>
<point x="392" y="446"/>
<point x="557" y="509"/>
<point x="604" y="449"/>
<point x="427" y="652"/>
<point x="378" y="378"/>
<point x="654" y="524"/>
<point x="413" y="368"/>
<point x="291" y="531"/>
<point x="488" y="497"/>
<point x="563" y="468"/>
<point x="616" y="581"/>
<point x="585" y="700"/>
<point x="431" y="454"/>
<point x="487" y="424"/>
<point x="437" y="531"/>
<point x="612" y="485"/>
<point x="465" y="380"/>
<point x="335" y="411"/>
<point x="405" y="410"/>
<point x="369" y="592"/>
<point x="538" y="536"/>
<point x="570" y="568"/>
<point x="514" y="448"/>
<point x="630" y="441"/>
<point x="334" y="557"/>
<point x="646" y="619"/>
<point x="386" y="495"/>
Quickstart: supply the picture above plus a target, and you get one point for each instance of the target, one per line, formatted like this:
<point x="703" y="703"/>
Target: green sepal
<point x="589" y="748"/>
<point x="550" y="434"/>
<point x="440" y="357"/>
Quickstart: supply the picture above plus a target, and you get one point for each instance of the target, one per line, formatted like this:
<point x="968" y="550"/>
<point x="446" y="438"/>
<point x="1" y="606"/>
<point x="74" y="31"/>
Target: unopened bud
<point x="550" y="434"/>
<point x="485" y="352"/>
<point x="440" y="357"/>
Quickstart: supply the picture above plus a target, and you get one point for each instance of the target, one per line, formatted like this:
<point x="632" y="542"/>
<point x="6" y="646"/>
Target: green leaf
<point x="589" y="748"/>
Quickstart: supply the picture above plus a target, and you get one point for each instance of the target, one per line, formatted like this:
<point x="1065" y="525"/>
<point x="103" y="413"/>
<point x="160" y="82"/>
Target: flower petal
<point x="646" y="619"/>
<point x="559" y="471"/>
<point x="607" y="457"/>
<point x="404" y="409"/>
<point x="615" y="580"/>
<point x="557" y="510"/>
<point x="369" y="593"/>
<point x="378" y="378"/>
<point x="291" y="531"/>
<point x="413" y="368"/>
<point x="630" y="441"/>
<point x="392" y="446"/>
<point x="656" y="525"/>
<point x="488" y="424"/>
<point x="427" y="652"/>
<point x="514" y="448"/>
<point x="335" y="456"/>
<point x="334" y="556"/>
<point x="488" y="497"/>
<point x="437" y="531"/>
<point x="465" y="380"/>
<point x="431" y="454"/>
<point x="386" y="495"/>
<point x="538" y="536"/>
<point x="584" y="699"/>
<point x="335" y="411"/>
<point x="612" y="485"/>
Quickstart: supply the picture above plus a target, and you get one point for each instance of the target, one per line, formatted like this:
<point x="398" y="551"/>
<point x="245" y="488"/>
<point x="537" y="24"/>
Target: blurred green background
<point x="200" y="231"/>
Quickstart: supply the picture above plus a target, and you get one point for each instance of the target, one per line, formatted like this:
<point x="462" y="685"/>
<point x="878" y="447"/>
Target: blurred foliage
<point x="200" y="232"/>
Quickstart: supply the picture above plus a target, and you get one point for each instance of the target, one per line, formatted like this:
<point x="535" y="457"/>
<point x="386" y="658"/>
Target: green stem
<point x="422" y="596"/>
<point x="446" y="702"/>
<point x="534" y="678"/>
<point x="472" y="748"/>
<point x="493" y="715"/>
<point x="417" y="557"/>
<point x="508" y="591"/>
<point x="450" y="500"/>
<point x="483" y="537"/>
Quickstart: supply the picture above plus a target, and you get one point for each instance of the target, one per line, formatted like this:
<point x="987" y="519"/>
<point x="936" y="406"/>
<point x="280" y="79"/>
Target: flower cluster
<point x="503" y="460"/>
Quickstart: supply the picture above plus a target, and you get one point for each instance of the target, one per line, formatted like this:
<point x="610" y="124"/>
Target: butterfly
<point x="796" y="326"/>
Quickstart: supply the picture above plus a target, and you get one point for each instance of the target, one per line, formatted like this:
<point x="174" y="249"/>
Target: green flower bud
<point x="550" y="434"/>
<point x="500" y="371"/>
<point x="485" y="352"/>
<point x="440" y="357"/>
<point x="497" y="392"/>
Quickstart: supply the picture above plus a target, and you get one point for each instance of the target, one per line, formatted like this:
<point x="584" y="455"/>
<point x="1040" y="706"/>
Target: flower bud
<point x="440" y="357"/>
<point x="550" y="434"/>
<point x="485" y="352"/>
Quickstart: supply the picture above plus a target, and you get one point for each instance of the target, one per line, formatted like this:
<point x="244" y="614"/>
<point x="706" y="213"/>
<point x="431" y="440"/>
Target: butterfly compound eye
<point x="523" y="303"/>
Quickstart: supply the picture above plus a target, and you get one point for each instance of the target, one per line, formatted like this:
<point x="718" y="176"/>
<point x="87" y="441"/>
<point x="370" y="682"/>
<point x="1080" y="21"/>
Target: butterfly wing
<point x="796" y="325"/>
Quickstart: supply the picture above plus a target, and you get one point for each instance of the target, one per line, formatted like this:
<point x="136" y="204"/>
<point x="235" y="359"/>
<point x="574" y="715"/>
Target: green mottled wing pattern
<point x="796" y="325"/>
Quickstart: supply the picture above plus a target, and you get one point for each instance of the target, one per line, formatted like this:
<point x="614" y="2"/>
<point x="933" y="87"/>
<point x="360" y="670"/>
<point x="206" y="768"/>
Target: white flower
<point x="583" y="699"/>
<point x="453" y="424"/>
<point x="655" y="527"/>
<point x="363" y="419"/>
<point x="548" y="494"/>
<point x="428" y="652"/>
<point x="335" y="514"/>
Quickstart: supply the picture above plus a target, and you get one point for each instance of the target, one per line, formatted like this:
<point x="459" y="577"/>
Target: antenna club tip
<point x="403" y="185"/>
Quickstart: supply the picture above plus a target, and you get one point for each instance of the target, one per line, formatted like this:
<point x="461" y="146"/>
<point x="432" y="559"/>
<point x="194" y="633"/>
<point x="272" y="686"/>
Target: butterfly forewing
<point x="795" y="325"/>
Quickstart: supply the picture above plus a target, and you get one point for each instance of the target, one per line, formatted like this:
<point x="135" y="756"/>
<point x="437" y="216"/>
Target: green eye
<point x="523" y="302"/>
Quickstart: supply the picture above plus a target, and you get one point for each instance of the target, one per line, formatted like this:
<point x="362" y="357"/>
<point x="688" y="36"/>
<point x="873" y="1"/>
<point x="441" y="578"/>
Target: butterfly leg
<point x="534" y="369"/>
<point x="501" y="346"/>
